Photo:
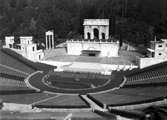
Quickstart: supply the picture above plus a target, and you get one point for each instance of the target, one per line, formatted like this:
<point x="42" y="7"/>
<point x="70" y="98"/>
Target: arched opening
<point x="88" y="34"/>
<point x="96" y="33"/>
<point x="103" y="35"/>
<point x="51" y="41"/>
<point x="91" y="48"/>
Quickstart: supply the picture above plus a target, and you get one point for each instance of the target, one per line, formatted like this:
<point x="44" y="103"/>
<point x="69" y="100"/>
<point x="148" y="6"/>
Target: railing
<point x="94" y="40"/>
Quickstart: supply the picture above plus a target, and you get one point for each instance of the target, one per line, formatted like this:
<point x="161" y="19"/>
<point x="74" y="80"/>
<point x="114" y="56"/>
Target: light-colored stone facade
<point x="158" y="49"/>
<point x="9" y="41"/>
<point x="99" y="25"/>
<point x="102" y="49"/>
<point x="96" y="40"/>
<point x="157" y="53"/>
<point x="49" y="43"/>
<point x="26" y="48"/>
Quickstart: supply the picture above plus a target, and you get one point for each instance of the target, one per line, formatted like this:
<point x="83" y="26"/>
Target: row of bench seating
<point x="11" y="82"/>
<point x="158" y="79"/>
<point x="147" y="74"/>
<point x="156" y="74"/>
<point x="11" y="71"/>
<point x="10" y="61"/>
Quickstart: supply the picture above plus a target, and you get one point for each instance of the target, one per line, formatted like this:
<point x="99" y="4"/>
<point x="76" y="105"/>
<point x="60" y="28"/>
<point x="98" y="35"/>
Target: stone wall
<point x="74" y="48"/>
<point x="145" y="62"/>
<point x="107" y="49"/>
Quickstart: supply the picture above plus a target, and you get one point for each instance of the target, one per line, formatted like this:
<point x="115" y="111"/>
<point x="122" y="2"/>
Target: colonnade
<point x="49" y="39"/>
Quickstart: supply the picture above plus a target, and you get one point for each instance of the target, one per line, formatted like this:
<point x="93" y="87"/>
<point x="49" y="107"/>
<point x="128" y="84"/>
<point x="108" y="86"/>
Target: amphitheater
<point x="33" y="90"/>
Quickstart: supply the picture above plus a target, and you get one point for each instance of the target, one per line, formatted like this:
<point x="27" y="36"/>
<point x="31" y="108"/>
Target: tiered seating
<point x="11" y="71"/>
<point x="147" y="74"/>
<point x="150" y="75"/>
<point x="11" y="82"/>
<point x="152" y="81"/>
<point x="10" y="86"/>
<point x="8" y="60"/>
<point x="30" y="64"/>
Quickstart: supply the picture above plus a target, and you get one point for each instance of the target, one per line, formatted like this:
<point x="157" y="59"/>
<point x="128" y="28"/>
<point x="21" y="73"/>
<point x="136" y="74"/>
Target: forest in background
<point x="137" y="21"/>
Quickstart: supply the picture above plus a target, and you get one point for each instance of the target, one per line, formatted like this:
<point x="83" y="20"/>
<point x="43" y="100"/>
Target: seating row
<point x="153" y="80"/>
<point x="10" y="61"/>
<point x="12" y="71"/>
<point x="147" y="74"/>
<point x="11" y="82"/>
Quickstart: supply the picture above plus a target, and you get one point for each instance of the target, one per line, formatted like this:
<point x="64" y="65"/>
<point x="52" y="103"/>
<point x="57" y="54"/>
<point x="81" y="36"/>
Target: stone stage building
<point x="96" y="40"/>
<point x="26" y="48"/>
<point x="156" y="53"/>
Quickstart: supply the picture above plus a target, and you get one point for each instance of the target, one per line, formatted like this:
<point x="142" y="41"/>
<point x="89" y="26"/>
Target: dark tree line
<point x="137" y="21"/>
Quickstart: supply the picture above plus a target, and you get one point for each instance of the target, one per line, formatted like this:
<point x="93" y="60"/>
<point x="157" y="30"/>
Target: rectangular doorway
<point x="92" y="54"/>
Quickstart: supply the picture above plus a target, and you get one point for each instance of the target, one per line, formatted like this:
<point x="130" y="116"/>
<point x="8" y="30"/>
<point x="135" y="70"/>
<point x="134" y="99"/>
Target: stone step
<point x="83" y="65"/>
<point x="82" y="70"/>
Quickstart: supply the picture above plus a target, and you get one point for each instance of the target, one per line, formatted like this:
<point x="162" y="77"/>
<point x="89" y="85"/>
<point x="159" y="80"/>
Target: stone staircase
<point x="50" y="53"/>
<point x="85" y="67"/>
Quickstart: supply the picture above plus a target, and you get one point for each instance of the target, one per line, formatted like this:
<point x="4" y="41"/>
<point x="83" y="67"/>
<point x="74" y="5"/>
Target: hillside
<point x="137" y="21"/>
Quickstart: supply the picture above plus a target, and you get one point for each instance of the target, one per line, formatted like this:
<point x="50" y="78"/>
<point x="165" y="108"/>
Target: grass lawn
<point x="130" y="95"/>
<point x="125" y="57"/>
<point x="64" y="100"/>
<point x="13" y="88"/>
<point x="7" y="115"/>
<point x="145" y="91"/>
<point x="111" y="98"/>
<point x="25" y="98"/>
<point x="89" y="116"/>
<point x="69" y="79"/>
<point x="59" y="54"/>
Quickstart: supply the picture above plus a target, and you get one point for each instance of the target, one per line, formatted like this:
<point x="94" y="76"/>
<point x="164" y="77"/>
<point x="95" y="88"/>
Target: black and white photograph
<point x="83" y="59"/>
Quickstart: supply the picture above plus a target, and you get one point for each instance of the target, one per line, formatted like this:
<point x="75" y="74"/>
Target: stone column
<point x="92" y="33"/>
<point x="46" y="42"/>
<point x="49" y="43"/>
<point x="85" y="33"/>
<point x="100" y="32"/>
<point x="49" y="39"/>
<point x="107" y="32"/>
<point x="52" y="41"/>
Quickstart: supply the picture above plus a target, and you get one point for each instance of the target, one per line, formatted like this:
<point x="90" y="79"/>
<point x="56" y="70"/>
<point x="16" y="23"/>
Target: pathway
<point x="93" y="105"/>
